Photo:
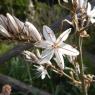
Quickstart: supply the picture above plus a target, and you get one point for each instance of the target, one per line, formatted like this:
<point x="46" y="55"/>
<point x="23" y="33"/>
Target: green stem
<point x="29" y="74"/>
<point x="84" y="89"/>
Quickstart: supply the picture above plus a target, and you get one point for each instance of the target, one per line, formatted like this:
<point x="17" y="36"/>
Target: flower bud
<point x="33" y="31"/>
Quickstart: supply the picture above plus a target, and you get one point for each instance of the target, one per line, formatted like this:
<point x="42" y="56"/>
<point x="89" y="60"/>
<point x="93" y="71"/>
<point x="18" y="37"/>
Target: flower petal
<point x="43" y="44"/>
<point x="59" y="58"/>
<point x="92" y="20"/>
<point x="48" y="34"/>
<point x="42" y="71"/>
<point x="81" y="2"/>
<point x="46" y="56"/>
<point x="64" y="35"/>
<point x="68" y="50"/>
<point x="89" y="8"/>
<point x="43" y="74"/>
<point x="85" y="3"/>
<point x="93" y="13"/>
<point x="46" y="52"/>
<point x="49" y="62"/>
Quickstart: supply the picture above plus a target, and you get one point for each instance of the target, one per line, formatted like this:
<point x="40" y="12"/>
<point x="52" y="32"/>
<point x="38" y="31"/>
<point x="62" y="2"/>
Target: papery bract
<point x="33" y="31"/>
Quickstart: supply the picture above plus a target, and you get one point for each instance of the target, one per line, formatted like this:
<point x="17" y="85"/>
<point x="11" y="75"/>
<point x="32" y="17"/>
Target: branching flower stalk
<point x="84" y="89"/>
<point x="29" y="73"/>
<point x="62" y="73"/>
<point x="80" y="28"/>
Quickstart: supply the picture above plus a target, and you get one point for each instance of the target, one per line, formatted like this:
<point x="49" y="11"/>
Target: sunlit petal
<point x="93" y="13"/>
<point x="69" y="50"/>
<point x="42" y="71"/>
<point x="46" y="52"/>
<point x="81" y="2"/>
<point x="89" y="8"/>
<point x="59" y="58"/>
<point x="43" y="75"/>
<point x="64" y="35"/>
<point x="48" y="34"/>
<point x="92" y="20"/>
<point x="43" y="44"/>
<point x="85" y="3"/>
<point x="49" y="62"/>
<point x="46" y="56"/>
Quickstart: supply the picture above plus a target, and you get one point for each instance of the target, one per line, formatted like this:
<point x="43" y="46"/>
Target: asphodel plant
<point x="54" y="50"/>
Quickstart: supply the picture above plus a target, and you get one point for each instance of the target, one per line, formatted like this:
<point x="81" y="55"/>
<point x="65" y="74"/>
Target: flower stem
<point x="84" y="89"/>
<point x="29" y="73"/>
<point x="61" y="72"/>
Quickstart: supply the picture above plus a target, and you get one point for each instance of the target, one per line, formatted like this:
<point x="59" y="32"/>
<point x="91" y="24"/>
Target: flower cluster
<point x="85" y="7"/>
<point x="53" y="48"/>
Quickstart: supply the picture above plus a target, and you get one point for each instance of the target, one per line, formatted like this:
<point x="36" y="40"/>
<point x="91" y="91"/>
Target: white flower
<point x="55" y="46"/>
<point x="91" y="13"/>
<point x="42" y="71"/>
<point x="39" y="56"/>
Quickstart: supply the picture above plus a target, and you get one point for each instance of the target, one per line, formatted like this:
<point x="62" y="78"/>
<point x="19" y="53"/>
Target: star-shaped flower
<point x="42" y="71"/>
<point x="55" y="47"/>
<point x="91" y="13"/>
